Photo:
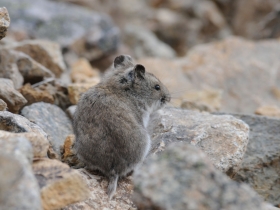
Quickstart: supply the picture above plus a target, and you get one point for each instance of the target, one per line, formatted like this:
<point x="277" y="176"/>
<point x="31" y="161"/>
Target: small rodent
<point x="111" y="119"/>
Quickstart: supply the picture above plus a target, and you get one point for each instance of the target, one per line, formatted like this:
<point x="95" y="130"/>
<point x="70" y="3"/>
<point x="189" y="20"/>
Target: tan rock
<point x="11" y="96"/>
<point x="4" y="22"/>
<point x="68" y="156"/>
<point x="60" y="185"/>
<point x="34" y="95"/>
<point x="99" y="199"/>
<point x="3" y="105"/>
<point x="40" y="144"/>
<point x="44" y="52"/>
<point x="82" y="71"/>
<point x="195" y="106"/>
<point x="76" y="89"/>
<point x="270" y="111"/>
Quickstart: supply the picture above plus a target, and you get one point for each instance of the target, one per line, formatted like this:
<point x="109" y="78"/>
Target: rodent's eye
<point x="157" y="87"/>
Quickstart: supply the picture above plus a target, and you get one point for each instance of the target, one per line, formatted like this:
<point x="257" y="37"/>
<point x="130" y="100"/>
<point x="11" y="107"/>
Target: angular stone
<point x="15" y="101"/>
<point x="19" y="189"/>
<point x="32" y="95"/>
<point x="21" y="68"/>
<point x="261" y="166"/>
<point x="99" y="199"/>
<point x="81" y="71"/>
<point x="15" y="126"/>
<point x="182" y="177"/>
<point x="67" y="153"/>
<point x="60" y="185"/>
<point x="3" y="105"/>
<point x="223" y="138"/>
<point x="145" y="44"/>
<point x="71" y="110"/>
<point x="76" y="89"/>
<point x="52" y="120"/>
<point x="4" y="22"/>
<point x="44" y="52"/>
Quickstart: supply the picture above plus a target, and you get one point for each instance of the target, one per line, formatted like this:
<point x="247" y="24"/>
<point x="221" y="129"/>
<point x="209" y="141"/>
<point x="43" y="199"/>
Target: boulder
<point x="99" y="199"/>
<point x="52" y="120"/>
<point x="87" y="33"/>
<point x="44" y="52"/>
<point x="18" y="186"/>
<point x="60" y="185"/>
<point x="269" y="111"/>
<point x="14" y="100"/>
<point x="182" y="177"/>
<point x="223" y="138"/>
<point x="16" y="126"/>
<point x="260" y="167"/>
<point x="4" y="22"/>
<point x="33" y="95"/>
<point x="3" y="105"/>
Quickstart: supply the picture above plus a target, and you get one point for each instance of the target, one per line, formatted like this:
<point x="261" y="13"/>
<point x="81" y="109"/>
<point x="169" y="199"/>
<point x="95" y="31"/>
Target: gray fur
<point x="110" y="122"/>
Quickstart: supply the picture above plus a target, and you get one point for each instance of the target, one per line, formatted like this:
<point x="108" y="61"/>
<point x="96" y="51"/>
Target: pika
<point x="111" y="119"/>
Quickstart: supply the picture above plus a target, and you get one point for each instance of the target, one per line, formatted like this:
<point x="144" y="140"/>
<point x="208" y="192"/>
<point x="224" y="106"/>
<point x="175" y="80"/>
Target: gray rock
<point x="71" y="110"/>
<point x="21" y="68"/>
<point x="18" y="186"/>
<point x="4" y="22"/>
<point x="223" y="138"/>
<point x="15" y="101"/>
<point x="145" y="44"/>
<point x="261" y="167"/>
<point x="88" y="33"/>
<point x="182" y="177"/>
<point x="52" y="120"/>
<point x="15" y="126"/>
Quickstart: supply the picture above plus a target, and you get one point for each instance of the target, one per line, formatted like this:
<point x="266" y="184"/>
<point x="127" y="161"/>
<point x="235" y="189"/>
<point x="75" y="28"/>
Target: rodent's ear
<point x="123" y="61"/>
<point x="139" y="71"/>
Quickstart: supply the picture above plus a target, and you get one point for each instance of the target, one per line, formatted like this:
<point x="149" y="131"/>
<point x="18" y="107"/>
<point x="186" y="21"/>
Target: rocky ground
<point x="211" y="149"/>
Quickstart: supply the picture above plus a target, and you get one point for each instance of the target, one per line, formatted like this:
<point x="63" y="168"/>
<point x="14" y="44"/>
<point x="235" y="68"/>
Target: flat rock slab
<point x="261" y="164"/>
<point x="13" y="125"/>
<point x="99" y="199"/>
<point x="60" y="185"/>
<point x="4" y="22"/>
<point x="18" y="186"/>
<point x="52" y="120"/>
<point x="182" y="177"/>
<point x="223" y="138"/>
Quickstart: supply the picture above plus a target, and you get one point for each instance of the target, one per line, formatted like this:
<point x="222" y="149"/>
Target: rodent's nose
<point x="165" y="99"/>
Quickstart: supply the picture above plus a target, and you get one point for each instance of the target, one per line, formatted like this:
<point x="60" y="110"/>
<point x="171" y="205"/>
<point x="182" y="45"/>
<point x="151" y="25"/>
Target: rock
<point x="68" y="155"/>
<point x="195" y="106"/>
<point x="260" y="167"/>
<point x="16" y="126"/>
<point x="4" y="22"/>
<point x="21" y="68"/>
<point x="15" y="101"/>
<point x="3" y="105"/>
<point x="55" y="88"/>
<point x="59" y="184"/>
<point x="32" y="95"/>
<point x="224" y="139"/>
<point x="76" y="89"/>
<point x="71" y="110"/>
<point x="90" y="34"/>
<point x="224" y="65"/>
<point x="81" y="71"/>
<point x="182" y="177"/>
<point x="270" y="111"/>
<point x="44" y="52"/>
<point x="18" y="186"/>
<point x="52" y="120"/>
<point x="145" y="44"/>
<point x="98" y="198"/>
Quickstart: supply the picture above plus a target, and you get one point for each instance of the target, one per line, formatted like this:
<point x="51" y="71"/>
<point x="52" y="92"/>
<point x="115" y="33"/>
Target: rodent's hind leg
<point x="112" y="186"/>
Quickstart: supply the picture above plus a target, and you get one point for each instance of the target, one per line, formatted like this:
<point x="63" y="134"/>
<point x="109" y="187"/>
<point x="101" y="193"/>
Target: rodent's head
<point x="133" y="80"/>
